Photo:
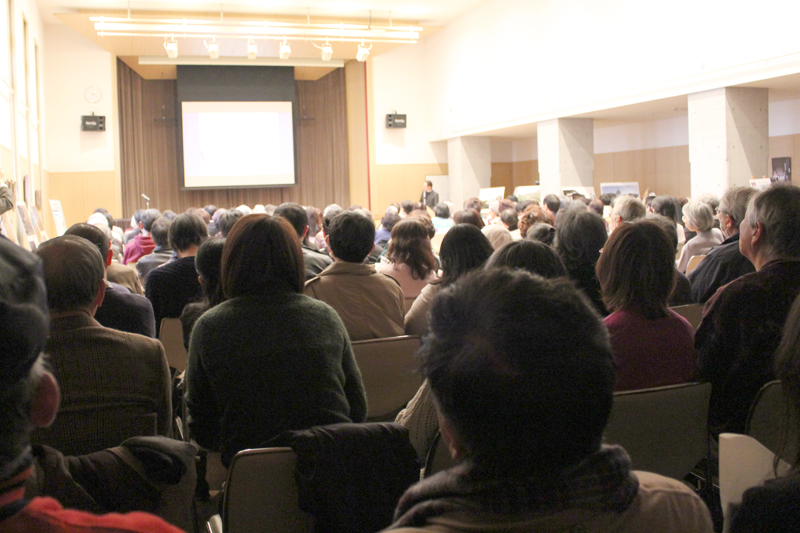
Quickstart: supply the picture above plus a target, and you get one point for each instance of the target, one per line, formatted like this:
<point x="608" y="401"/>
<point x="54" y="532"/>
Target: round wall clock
<point x="93" y="94"/>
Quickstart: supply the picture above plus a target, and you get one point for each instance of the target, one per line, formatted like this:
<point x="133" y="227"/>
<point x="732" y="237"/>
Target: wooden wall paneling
<point x="503" y="175"/>
<point x="395" y="183"/>
<point x="355" y="89"/>
<point x="525" y="173"/>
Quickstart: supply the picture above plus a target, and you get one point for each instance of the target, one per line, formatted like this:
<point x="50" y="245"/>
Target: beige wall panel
<point x="395" y="183"/>
<point x="81" y="193"/>
<point x="663" y="170"/>
<point x="525" y="173"/>
<point x="503" y="176"/>
<point x="355" y="87"/>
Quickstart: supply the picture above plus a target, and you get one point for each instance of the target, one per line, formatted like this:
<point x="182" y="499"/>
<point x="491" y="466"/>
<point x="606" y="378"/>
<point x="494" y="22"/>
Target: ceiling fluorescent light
<point x="363" y="52"/>
<point x="285" y="50"/>
<point x="252" y="49"/>
<point x="213" y="48"/>
<point x="327" y="52"/>
<point x="171" y="47"/>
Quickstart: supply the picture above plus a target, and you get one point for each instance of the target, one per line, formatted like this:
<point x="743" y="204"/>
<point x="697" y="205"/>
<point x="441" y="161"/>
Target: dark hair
<point x="314" y="217"/>
<point x="580" y="235"/>
<point x="441" y="210"/>
<point x="469" y="216"/>
<point x="596" y="206"/>
<point x="110" y="219"/>
<point x="137" y="215"/>
<point x="94" y="235"/>
<point x="407" y="206"/>
<point x="464" y="248"/>
<point x="509" y="218"/>
<point x="533" y="256"/>
<point x="187" y="230"/>
<point x="351" y="236"/>
<point x="667" y="225"/>
<point x="148" y="217"/>
<point x="429" y="183"/>
<point x="330" y="214"/>
<point x="262" y="256"/>
<point x="542" y="232"/>
<point x="473" y="203"/>
<point x="552" y="202"/>
<point x="665" y="206"/>
<point x="534" y="214"/>
<point x="210" y="209"/>
<point x="410" y="245"/>
<point x="521" y="206"/>
<point x="389" y="220"/>
<point x="607" y="198"/>
<point x="637" y="271"/>
<point x="170" y="214"/>
<point x="228" y="219"/>
<point x="426" y="221"/>
<point x="208" y="263"/>
<point x="296" y="216"/>
<point x="159" y="231"/>
<point x="73" y="272"/>
<point x="521" y="407"/>
<point x="787" y="369"/>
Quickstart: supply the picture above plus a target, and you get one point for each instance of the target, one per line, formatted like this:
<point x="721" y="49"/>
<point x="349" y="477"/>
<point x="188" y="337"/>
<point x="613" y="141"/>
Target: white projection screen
<point x="237" y="144"/>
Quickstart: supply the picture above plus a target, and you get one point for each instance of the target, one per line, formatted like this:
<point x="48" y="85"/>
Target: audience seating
<point x="438" y="457"/>
<point x="664" y="429"/>
<point x="693" y="262"/>
<point x="743" y="463"/>
<point x="388" y="370"/>
<point x="771" y="422"/>
<point x="436" y="242"/>
<point x="171" y="336"/>
<point x="691" y="312"/>
<point x="261" y="495"/>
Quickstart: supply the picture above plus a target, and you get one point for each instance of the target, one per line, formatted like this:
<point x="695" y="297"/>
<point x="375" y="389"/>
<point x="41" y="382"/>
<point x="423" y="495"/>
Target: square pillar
<point x="469" y="165"/>
<point x="566" y="154"/>
<point x="728" y="138"/>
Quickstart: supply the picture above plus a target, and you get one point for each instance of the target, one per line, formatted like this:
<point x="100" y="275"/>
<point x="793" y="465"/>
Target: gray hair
<point x="699" y="215"/>
<point x="777" y="209"/>
<point x="628" y="208"/>
<point x="734" y="203"/>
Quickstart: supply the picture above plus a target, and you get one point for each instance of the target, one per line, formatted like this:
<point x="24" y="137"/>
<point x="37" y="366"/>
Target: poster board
<point x="528" y="192"/>
<point x="761" y="184"/>
<point x="38" y="224"/>
<point x="620" y="188"/>
<point x="58" y="217"/>
<point x="491" y="194"/>
<point x="7" y="228"/>
<point x="31" y="241"/>
<point x="586" y="192"/>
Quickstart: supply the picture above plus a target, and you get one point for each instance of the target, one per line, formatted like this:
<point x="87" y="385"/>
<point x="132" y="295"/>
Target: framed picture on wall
<point x="781" y="169"/>
<point x="31" y="239"/>
<point x="620" y="188"/>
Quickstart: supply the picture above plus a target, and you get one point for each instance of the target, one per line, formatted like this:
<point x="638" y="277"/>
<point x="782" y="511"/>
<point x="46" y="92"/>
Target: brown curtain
<point x="149" y="158"/>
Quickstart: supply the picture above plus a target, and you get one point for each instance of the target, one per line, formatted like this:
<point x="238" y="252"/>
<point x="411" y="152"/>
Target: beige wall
<point x="80" y="194"/>
<point x="662" y="170"/>
<point x="355" y="89"/>
<point x="395" y="183"/>
<point x="516" y="174"/>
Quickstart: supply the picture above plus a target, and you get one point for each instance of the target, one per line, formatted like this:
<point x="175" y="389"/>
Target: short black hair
<point x="407" y="206"/>
<point x="228" y="219"/>
<point x="137" y="215"/>
<point x="464" y="249"/>
<point x="351" y="236"/>
<point x="186" y="230"/>
<point x="390" y="219"/>
<point x="441" y="210"/>
<point x="521" y="206"/>
<point x="295" y="214"/>
<point x="94" y="235"/>
<point x="552" y="202"/>
<point x="509" y="218"/>
<point x="73" y="272"/>
<point x="159" y="231"/>
<point x="519" y="406"/>
<point x="534" y="256"/>
<point x="148" y="217"/>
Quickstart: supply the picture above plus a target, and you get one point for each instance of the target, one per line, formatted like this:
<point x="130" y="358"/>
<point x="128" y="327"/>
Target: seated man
<point x="527" y="423"/>
<point x="142" y="244"/>
<point x="314" y="260"/>
<point x="162" y="253"/>
<point x="626" y="209"/>
<point x="99" y="369"/>
<point x="173" y="285"/>
<point x="370" y="304"/>
<point x="743" y="322"/>
<point x="121" y="309"/>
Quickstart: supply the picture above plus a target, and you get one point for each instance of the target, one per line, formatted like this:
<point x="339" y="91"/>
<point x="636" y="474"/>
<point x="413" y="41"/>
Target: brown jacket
<point x="370" y="304"/>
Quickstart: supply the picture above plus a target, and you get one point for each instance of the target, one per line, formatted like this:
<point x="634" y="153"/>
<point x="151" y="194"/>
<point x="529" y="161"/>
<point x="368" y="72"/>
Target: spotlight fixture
<point x="213" y="48"/>
<point x="285" y="50"/>
<point x="171" y="47"/>
<point x="252" y="49"/>
<point x="363" y="52"/>
<point x="327" y="52"/>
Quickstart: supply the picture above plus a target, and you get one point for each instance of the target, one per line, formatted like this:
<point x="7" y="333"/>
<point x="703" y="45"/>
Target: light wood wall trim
<point x="80" y="194"/>
<point x="355" y="87"/>
<point x="662" y="170"/>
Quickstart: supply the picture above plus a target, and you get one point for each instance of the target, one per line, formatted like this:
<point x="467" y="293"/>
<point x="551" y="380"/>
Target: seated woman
<point x="254" y="370"/>
<point x="580" y="235"/>
<point x="700" y="218"/>
<point x="409" y="258"/>
<point x="653" y="346"/>
<point x="775" y="506"/>
<point x="208" y="263"/>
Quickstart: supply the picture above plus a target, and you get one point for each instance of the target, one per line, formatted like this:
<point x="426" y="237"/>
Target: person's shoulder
<point x="670" y="504"/>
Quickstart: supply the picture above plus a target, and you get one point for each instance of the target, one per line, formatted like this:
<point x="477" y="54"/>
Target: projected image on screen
<point x="237" y="144"/>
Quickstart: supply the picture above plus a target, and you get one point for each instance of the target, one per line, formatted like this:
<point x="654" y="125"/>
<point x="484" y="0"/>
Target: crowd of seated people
<point x="270" y="299"/>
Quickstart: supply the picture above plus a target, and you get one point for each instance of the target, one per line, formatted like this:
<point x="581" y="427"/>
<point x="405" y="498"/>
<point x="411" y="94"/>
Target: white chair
<point x="663" y="429"/>
<point x="743" y="463"/>
<point x="691" y="312"/>
<point x="171" y="336"/>
<point x="261" y="495"/>
<point x="693" y="262"/>
<point x="389" y="372"/>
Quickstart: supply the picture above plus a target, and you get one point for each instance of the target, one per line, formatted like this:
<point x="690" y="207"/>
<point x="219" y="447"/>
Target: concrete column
<point x="728" y="138"/>
<point x="566" y="154"/>
<point x="469" y="165"/>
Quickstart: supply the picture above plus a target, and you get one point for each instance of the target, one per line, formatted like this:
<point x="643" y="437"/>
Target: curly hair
<point x="411" y="245"/>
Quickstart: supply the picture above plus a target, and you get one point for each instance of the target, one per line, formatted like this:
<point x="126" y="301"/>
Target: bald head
<point x="73" y="272"/>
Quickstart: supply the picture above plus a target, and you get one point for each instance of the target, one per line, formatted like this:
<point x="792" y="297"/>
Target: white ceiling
<point x="424" y="12"/>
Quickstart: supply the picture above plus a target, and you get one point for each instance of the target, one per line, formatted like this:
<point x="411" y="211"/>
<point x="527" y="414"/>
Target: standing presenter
<point x="429" y="197"/>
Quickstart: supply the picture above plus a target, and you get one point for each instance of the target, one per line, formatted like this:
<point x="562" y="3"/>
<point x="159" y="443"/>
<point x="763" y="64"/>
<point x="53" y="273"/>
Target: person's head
<point x="542" y="232"/>
<point x="710" y="200"/>
<point x="186" y="232"/>
<point x="330" y="213"/>
<point x="669" y="228"/>
<point x="406" y="206"/>
<point x="533" y="256"/>
<point x="497" y="234"/>
<point x="473" y="203"/>
<point x="464" y="248"/>
<point x="296" y="216"/>
<point x="427" y="185"/>
<point x="510" y="404"/>
<point x="411" y="245"/>
<point x="148" y="217"/>
<point x="137" y="217"/>
<point x="552" y="203"/>
<point x="787" y="366"/>
<point x="228" y="219"/>
<point x="351" y="237"/>
<point x="210" y="209"/>
<point x="208" y="263"/>
<point x="203" y="215"/>
<point x="441" y="210"/>
<point x="521" y="206"/>
<point x="580" y="235"/>
<point x="262" y="256"/>
<point x="98" y="219"/>
<point x="95" y="236"/>
<point x="390" y="219"/>
<point x="607" y="198"/>
<point x="170" y="214"/>
<point x="732" y="209"/>
<point x="510" y="219"/>
<point x="425" y="220"/>
<point x="469" y="216"/>
<point x="771" y="228"/>
<point x="159" y="232"/>
<point x="109" y="219"/>
<point x="314" y="217"/>
<point x="664" y="206"/>
<point x="534" y="214"/>
<point x="698" y="216"/>
<point x="74" y="272"/>
<point x="626" y="209"/>
<point x="636" y="270"/>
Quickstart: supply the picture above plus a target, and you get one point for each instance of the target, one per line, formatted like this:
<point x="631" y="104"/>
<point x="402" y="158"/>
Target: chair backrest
<point x="436" y="242"/>
<point x="664" y="429"/>
<point x="261" y="493"/>
<point x="438" y="457"/>
<point x="772" y="422"/>
<point x="693" y="262"/>
<point x="388" y="370"/>
<point x="171" y="336"/>
<point x="691" y="312"/>
<point x="409" y="302"/>
<point x="743" y="463"/>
